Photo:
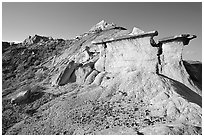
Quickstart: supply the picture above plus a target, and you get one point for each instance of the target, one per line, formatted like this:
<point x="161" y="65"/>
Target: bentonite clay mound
<point x="108" y="81"/>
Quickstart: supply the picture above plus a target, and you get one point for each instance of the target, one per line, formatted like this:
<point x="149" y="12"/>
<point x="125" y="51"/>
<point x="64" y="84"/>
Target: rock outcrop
<point x="115" y="81"/>
<point x="170" y="60"/>
<point x="101" y="26"/>
<point x="35" y="39"/>
<point x="127" y="53"/>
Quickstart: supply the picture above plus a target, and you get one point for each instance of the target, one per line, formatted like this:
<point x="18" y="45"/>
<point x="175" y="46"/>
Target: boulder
<point x="20" y="97"/>
<point x="172" y="110"/>
<point x="99" y="78"/>
<point x="136" y="31"/>
<point x="90" y="78"/>
<point x="100" y="64"/>
<point x="82" y="72"/>
<point x="82" y="57"/>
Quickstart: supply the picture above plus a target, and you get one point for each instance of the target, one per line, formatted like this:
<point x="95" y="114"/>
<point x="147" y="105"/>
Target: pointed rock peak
<point x="35" y="39"/>
<point x="101" y="26"/>
<point x="136" y="31"/>
<point x="103" y="22"/>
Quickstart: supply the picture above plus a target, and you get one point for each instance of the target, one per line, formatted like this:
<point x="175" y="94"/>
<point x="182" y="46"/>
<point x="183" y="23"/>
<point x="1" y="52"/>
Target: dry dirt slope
<point x="108" y="81"/>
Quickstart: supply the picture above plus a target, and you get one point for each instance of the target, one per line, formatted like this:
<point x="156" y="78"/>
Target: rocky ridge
<point x="107" y="81"/>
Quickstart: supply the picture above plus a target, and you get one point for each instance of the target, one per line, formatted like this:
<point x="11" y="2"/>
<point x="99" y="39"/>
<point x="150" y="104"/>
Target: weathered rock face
<point x="122" y="53"/>
<point x="171" y="63"/>
<point x="171" y="59"/>
<point x="127" y="53"/>
<point x="133" y="65"/>
<point x="115" y="81"/>
<point x="130" y="54"/>
<point x="136" y="51"/>
<point x="100" y="63"/>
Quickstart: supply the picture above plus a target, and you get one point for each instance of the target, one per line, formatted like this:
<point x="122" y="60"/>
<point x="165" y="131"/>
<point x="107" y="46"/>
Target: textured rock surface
<point x="172" y="64"/>
<point x="106" y="81"/>
<point x="82" y="73"/>
<point x="136" y="31"/>
<point x="100" y="63"/>
<point x="20" y="97"/>
<point x="129" y="55"/>
<point x="90" y="78"/>
<point x="99" y="78"/>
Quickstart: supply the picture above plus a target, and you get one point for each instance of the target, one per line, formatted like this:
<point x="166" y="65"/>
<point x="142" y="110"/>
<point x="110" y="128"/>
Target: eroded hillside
<point x="108" y="80"/>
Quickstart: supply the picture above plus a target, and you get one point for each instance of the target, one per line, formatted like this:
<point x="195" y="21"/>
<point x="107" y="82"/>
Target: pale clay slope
<point x="125" y="72"/>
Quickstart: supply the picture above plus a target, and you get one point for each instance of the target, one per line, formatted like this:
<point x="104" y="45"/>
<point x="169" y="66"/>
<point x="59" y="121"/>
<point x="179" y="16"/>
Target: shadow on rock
<point x="194" y="69"/>
<point x="34" y="96"/>
<point x="185" y="92"/>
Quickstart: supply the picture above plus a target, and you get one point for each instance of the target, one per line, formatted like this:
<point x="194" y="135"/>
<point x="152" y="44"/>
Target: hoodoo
<point x="110" y="80"/>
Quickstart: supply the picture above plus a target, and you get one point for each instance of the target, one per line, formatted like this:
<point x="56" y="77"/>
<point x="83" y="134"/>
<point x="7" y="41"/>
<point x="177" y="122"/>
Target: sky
<point x="67" y="20"/>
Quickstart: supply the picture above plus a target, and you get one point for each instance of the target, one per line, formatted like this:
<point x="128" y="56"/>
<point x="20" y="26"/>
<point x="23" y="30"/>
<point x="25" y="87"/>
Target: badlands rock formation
<point x="114" y="81"/>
